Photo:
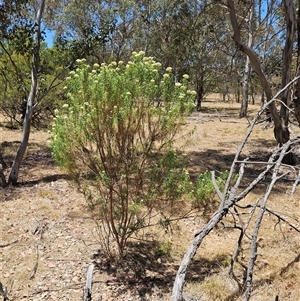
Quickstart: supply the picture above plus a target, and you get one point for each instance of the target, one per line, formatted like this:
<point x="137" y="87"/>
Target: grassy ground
<point x="48" y="239"/>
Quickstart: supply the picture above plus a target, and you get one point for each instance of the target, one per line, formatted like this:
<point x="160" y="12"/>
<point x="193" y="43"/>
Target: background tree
<point x="15" y="80"/>
<point x="296" y="98"/>
<point x="281" y="131"/>
<point x="13" y="176"/>
<point x="25" y="59"/>
<point x="185" y="35"/>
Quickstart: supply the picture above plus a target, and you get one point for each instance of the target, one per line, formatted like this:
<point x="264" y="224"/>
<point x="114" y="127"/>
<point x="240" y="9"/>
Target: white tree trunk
<point x="14" y="173"/>
<point x="244" y="106"/>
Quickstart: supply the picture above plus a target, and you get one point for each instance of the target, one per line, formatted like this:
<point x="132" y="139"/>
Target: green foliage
<point x="204" y="192"/>
<point x="15" y="82"/>
<point x="114" y="135"/>
<point x="165" y="248"/>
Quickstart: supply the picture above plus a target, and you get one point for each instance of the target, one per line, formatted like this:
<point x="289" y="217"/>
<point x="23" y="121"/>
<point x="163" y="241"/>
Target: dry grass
<point x="67" y="243"/>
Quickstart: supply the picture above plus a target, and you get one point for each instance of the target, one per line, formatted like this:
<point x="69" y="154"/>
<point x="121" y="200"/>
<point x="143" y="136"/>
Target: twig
<point x="218" y="115"/>
<point x="243" y="232"/>
<point x="278" y="223"/>
<point x="73" y="286"/>
<point x="275" y="214"/>
<point x="295" y="184"/>
<point x="290" y="264"/>
<point x="219" y="193"/>
<point x="238" y="181"/>
<point x="185" y="297"/>
<point x="8" y="244"/>
<point x="254" y="245"/>
<point x="282" y="219"/>
<point x="36" y="263"/>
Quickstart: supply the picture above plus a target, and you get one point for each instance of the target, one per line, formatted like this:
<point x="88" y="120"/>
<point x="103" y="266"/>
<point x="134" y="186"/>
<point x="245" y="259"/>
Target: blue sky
<point x="49" y="38"/>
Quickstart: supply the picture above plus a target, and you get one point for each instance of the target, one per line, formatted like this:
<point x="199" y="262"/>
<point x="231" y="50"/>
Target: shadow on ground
<point x="37" y="167"/>
<point x="144" y="269"/>
<point x="37" y="154"/>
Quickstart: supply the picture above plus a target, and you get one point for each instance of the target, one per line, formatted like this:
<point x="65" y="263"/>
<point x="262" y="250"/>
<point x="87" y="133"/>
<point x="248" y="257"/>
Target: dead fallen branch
<point x="87" y="290"/>
<point x="229" y="198"/>
<point x="295" y="183"/>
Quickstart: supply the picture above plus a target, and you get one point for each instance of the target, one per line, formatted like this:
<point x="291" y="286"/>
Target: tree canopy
<point x="193" y="37"/>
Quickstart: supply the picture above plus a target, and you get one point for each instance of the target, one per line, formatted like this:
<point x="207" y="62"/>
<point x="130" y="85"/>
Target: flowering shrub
<point x="114" y="136"/>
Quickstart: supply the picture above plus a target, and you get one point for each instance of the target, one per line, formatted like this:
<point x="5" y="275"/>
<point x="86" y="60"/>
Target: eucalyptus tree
<point x="183" y="37"/>
<point x="187" y="35"/>
<point x="13" y="176"/>
<point x="269" y="41"/>
<point x="296" y="98"/>
<point x="15" y="83"/>
<point x="31" y="74"/>
<point x="281" y="131"/>
<point x="82" y="28"/>
<point x="260" y="28"/>
<point x="14" y="37"/>
<point x="9" y="14"/>
<point x="246" y="76"/>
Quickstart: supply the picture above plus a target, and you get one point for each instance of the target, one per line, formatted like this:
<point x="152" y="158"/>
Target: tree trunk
<point x="296" y="98"/>
<point x="244" y="107"/>
<point x="238" y="90"/>
<point x="286" y="64"/>
<point x="280" y="133"/>
<point x="14" y="173"/>
<point x="200" y="89"/>
<point x="262" y="99"/>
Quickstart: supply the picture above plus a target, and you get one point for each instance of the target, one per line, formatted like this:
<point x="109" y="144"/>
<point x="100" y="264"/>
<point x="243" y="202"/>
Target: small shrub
<point x="204" y="192"/>
<point x="164" y="249"/>
<point x="114" y="136"/>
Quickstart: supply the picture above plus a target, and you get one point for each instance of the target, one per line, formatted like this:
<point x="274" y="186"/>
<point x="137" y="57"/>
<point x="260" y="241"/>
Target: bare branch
<point x="219" y="193"/>
<point x="52" y="85"/>
<point x="231" y="200"/>
<point x="295" y="183"/>
<point x="36" y="263"/>
<point x="240" y="177"/>
<point x="253" y="248"/>
<point x="243" y="232"/>
<point x="8" y="244"/>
